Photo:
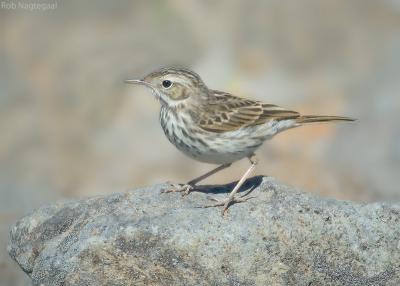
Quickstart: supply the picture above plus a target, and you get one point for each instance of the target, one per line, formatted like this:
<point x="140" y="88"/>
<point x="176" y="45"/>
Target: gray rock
<point x="142" y="237"/>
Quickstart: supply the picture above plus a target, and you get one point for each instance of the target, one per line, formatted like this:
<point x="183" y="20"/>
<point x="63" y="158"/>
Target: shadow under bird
<point x="217" y="127"/>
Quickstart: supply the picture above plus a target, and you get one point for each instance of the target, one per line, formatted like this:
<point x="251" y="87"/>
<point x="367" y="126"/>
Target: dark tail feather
<point x="316" y="118"/>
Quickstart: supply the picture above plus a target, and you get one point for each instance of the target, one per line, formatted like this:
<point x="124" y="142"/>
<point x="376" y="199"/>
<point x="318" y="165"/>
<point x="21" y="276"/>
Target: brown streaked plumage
<point x="217" y="127"/>
<point x="230" y="113"/>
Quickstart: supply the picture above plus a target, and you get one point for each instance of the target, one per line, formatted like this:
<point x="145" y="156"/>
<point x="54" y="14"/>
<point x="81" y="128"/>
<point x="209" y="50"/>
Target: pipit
<point x="217" y="127"/>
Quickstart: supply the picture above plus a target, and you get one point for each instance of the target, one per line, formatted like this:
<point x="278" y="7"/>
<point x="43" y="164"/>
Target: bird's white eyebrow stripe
<point x="175" y="78"/>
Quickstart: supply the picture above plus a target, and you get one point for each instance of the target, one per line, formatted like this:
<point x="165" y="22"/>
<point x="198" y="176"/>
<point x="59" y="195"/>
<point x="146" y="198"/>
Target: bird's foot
<point x="226" y="203"/>
<point x="184" y="189"/>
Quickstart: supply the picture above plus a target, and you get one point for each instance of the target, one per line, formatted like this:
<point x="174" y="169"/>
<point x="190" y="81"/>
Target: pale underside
<point x="232" y="146"/>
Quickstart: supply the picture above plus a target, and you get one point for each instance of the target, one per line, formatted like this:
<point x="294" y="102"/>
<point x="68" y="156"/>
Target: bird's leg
<point x="231" y="198"/>
<point x="208" y="174"/>
<point x="188" y="187"/>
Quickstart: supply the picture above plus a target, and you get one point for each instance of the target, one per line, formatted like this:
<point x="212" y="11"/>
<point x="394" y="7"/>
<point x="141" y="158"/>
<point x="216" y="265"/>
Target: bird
<point x="217" y="127"/>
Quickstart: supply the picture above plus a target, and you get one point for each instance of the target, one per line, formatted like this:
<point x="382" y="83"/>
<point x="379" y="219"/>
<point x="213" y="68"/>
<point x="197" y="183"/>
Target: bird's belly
<point x="217" y="154"/>
<point x="214" y="148"/>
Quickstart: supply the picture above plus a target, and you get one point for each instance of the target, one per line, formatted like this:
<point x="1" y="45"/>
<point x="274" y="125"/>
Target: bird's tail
<point x="318" y="118"/>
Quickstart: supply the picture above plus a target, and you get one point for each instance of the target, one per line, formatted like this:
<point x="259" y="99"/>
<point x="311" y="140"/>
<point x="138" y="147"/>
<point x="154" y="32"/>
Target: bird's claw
<point x="226" y="203"/>
<point x="184" y="189"/>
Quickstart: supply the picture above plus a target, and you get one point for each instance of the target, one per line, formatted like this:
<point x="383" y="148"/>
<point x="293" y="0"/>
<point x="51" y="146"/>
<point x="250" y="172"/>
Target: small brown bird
<point x="216" y="127"/>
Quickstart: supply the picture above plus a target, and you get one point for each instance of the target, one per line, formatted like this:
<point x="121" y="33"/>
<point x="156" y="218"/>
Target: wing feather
<point x="226" y="112"/>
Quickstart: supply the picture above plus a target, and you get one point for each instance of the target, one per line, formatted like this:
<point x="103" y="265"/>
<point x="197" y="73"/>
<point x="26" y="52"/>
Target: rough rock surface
<point x="142" y="237"/>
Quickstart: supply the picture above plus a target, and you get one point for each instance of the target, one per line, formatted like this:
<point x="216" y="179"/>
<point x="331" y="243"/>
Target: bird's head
<point x="173" y="86"/>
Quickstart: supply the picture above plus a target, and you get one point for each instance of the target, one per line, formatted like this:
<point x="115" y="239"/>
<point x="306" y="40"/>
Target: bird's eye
<point x="166" y="83"/>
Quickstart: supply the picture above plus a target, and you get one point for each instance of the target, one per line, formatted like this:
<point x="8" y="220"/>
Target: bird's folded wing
<point x="226" y="112"/>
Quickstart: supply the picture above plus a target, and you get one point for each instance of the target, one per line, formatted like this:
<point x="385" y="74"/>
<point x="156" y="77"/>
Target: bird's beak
<point x="145" y="83"/>
<point x="139" y="81"/>
<point x="135" y="81"/>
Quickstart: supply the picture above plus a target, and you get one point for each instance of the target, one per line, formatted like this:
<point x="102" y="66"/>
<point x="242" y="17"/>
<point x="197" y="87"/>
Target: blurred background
<point x="71" y="128"/>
